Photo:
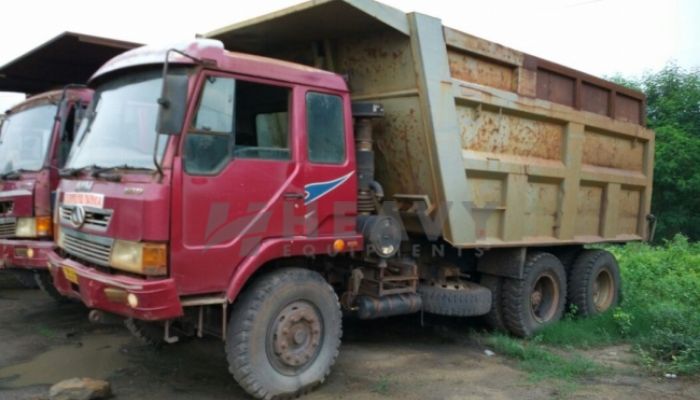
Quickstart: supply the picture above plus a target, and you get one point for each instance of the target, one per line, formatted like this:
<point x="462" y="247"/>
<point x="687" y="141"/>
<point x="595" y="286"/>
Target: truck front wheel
<point x="536" y="300"/>
<point x="594" y="283"/>
<point x="45" y="283"/>
<point x="148" y="333"/>
<point x="284" y="334"/>
<point x="25" y="278"/>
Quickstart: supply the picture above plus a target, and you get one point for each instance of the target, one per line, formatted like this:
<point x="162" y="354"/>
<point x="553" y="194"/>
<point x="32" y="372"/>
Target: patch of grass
<point x="46" y="332"/>
<point x="658" y="315"/>
<point x="383" y="386"/>
<point x="542" y="363"/>
<point x="601" y="330"/>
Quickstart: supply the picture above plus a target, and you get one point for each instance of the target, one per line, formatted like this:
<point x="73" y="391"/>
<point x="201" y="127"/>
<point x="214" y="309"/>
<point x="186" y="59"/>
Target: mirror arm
<point x="163" y="101"/>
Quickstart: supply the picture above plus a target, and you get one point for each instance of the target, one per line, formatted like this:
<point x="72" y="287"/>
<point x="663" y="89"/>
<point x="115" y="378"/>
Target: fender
<point x="271" y="249"/>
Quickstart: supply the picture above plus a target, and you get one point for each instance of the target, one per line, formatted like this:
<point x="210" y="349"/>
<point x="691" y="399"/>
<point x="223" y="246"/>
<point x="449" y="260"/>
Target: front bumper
<point x="24" y="254"/>
<point x="157" y="299"/>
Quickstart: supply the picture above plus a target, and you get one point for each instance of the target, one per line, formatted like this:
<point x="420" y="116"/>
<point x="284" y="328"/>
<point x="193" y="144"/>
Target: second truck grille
<point x="7" y="227"/>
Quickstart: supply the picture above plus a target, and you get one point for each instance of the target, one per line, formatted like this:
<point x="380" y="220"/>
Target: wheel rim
<point x="603" y="290"/>
<point x="544" y="298"/>
<point x="294" y="337"/>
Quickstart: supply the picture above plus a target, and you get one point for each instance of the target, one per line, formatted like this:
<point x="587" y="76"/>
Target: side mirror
<point x="172" y="104"/>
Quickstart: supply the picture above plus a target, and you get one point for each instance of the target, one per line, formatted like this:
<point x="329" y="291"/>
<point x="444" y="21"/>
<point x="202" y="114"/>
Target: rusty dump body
<point x="519" y="150"/>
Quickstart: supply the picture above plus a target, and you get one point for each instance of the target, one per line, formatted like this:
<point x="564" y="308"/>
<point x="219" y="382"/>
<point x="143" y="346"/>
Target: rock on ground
<point x="80" y="389"/>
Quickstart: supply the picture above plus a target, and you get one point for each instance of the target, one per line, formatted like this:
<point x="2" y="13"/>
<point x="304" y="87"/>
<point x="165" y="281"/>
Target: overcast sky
<point x="601" y="37"/>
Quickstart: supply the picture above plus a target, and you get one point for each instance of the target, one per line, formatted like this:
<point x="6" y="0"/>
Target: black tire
<point x="594" y="283"/>
<point x="494" y="318"/>
<point x="568" y="256"/>
<point x="44" y="281"/>
<point x="264" y="357"/>
<point x="544" y="279"/>
<point x="148" y="333"/>
<point x="464" y="299"/>
<point x="25" y="278"/>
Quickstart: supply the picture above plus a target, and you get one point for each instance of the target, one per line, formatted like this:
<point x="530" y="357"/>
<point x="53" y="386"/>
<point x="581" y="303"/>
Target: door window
<point x="325" y="126"/>
<point x="237" y="119"/>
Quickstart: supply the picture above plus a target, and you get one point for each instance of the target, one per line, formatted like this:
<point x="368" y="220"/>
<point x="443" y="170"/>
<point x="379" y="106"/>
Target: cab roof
<point x="52" y="97"/>
<point x="212" y="53"/>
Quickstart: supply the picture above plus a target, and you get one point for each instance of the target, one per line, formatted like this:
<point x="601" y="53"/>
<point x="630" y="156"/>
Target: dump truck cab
<point x="35" y="139"/>
<point x="147" y="221"/>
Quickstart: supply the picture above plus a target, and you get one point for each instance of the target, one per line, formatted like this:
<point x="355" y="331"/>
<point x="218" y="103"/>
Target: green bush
<point x="660" y="311"/>
<point x="673" y="95"/>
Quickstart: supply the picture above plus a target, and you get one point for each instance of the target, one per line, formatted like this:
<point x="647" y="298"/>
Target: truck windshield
<point x="25" y="139"/>
<point x="120" y="128"/>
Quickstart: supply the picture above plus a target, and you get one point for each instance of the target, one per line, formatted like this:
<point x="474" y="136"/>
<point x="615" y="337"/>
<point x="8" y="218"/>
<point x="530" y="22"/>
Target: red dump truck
<point x="35" y="139"/>
<point x="346" y="158"/>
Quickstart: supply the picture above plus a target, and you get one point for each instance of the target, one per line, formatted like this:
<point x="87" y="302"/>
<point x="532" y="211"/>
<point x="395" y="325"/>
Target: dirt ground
<point x="42" y="343"/>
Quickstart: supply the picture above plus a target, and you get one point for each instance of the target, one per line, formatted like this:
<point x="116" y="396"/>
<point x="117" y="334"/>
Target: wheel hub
<point x="296" y="335"/>
<point x="544" y="298"/>
<point x="603" y="291"/>
<point x="536" y="298"/>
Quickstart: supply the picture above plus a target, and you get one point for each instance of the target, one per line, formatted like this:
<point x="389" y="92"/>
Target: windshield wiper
<point x="69" y="172"/>
<point x="72" y="172"/>
<point x="109" y="173"/>
<point x="13" y="175"/>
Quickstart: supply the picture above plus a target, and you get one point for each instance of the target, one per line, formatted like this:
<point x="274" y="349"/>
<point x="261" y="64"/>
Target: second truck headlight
<point x="33" y="227"/>
<point x="26" y="227"/>
<point x="140" y="258"/>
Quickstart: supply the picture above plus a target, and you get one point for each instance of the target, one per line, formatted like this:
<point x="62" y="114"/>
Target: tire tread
<point x="580" y="276"/>
<point x="515" y="292"/>
<point x="244" y="313"/>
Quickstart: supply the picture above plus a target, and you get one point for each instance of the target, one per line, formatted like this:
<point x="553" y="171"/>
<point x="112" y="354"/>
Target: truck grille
<point x="91" y="248"/>
<point x="7" y="227"/>
<point x="94" y="218"/>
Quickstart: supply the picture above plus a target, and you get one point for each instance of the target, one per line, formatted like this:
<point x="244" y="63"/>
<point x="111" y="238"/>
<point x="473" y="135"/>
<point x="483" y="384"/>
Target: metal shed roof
<point x="67" y="58"/>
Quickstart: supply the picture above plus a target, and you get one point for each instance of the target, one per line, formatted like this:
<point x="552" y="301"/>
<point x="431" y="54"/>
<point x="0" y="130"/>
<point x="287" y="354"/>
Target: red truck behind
<point x="35" y="140"/>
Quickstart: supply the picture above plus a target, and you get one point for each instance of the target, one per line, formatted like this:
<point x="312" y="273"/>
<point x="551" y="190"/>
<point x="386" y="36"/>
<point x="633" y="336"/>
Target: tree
<point x="673" y="111"/>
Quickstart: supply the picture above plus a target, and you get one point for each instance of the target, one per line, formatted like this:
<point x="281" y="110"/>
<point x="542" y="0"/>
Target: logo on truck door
<point x="316" y="190"/>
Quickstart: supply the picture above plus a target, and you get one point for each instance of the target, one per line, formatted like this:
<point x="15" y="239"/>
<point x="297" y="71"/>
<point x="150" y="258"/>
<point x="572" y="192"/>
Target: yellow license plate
<point x="70" y="275"/>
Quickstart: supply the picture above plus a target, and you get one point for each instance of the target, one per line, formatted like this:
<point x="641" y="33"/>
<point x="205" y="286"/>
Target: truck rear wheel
<point x="594" y="283"/>
<point x="536" y="300"/>
<point x="494" y="318"/>
<point x="284" y="334"/>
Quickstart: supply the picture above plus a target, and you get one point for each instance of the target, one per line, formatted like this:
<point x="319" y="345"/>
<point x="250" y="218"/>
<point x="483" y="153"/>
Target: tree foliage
<point x="673" y="111"/>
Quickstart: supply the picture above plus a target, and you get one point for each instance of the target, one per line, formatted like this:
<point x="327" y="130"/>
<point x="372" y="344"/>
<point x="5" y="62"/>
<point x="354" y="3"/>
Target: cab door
<point x="331" y="182"/>
<point x="241" y="179"/>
